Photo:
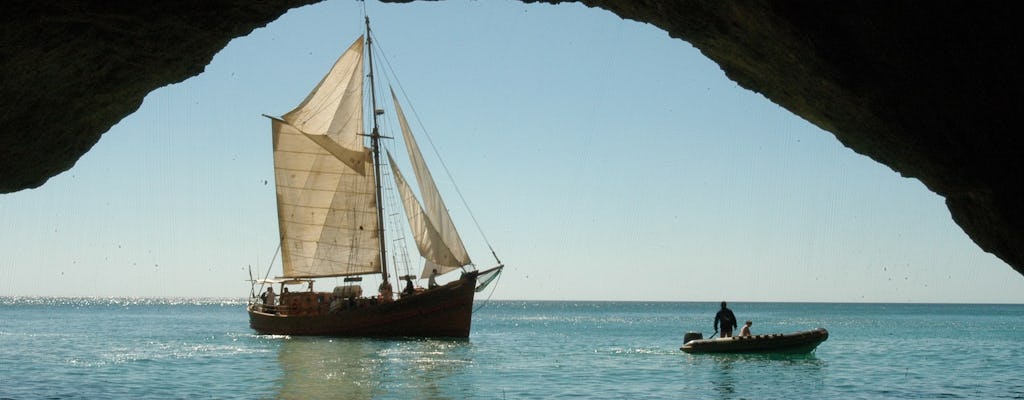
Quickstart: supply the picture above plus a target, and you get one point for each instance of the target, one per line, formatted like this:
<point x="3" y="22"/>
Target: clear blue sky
<point x="603" y="159"/>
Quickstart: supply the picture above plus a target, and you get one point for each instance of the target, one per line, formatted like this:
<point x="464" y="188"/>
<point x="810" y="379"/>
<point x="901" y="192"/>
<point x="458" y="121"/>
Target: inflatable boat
<point x="796" y="342"/>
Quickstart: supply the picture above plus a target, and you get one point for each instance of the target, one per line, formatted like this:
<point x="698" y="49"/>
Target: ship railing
<point x="271" y="309"/>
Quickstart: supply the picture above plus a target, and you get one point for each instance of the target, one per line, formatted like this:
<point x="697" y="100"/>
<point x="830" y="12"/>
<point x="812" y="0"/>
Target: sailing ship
<point x="329" y="184"/>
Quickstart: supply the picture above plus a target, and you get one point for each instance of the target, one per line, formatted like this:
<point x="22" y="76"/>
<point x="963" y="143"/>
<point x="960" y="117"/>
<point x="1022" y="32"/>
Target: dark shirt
<point x="727" y="318"/>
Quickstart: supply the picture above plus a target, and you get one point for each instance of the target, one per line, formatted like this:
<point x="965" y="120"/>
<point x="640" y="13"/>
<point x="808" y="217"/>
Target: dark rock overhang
<point x="928" y="89"/>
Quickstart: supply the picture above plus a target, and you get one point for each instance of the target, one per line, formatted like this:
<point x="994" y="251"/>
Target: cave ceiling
<point x="926" y="88"/>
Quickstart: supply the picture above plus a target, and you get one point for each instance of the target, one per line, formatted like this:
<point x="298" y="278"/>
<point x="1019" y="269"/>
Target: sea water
<point x="61" y="348"/>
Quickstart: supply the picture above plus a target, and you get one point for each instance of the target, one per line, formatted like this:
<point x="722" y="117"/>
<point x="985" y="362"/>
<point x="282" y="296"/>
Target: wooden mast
<point x="375" y="145"/>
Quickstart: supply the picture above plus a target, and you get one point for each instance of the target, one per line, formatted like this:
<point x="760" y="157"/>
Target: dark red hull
<point x="445" y="311"/>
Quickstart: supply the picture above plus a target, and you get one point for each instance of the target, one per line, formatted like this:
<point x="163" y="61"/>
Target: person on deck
<point x="433" y="279"/>
<point x="386" y="293"/>
<point x="269" y="298"/>
<point x="745" y="330"/>
<point x="409" y="289"/>
<point x="727" y="320"/>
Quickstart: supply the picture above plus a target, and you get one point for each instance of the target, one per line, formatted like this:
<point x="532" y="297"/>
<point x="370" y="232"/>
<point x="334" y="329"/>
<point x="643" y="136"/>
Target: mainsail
<point x="436" y="238"/>
<point x="326" y="206"/>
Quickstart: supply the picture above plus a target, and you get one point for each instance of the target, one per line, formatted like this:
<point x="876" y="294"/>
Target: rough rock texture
<point x="929" y="89"/>
<point x="69" y="70"/>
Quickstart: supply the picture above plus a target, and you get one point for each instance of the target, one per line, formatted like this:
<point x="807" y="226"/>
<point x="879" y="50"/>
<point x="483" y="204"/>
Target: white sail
<point x="436" y="211"/>
<point x="335" y="106"/>
<point x="428" y="239"/>
<point x="326" y="201"/>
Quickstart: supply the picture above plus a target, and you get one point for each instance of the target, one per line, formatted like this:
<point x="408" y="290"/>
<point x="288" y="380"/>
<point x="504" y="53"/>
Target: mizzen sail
<point x="428" y="239"/>
<point x="436" y="251"/>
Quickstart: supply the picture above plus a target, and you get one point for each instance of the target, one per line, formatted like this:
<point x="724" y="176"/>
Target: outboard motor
<point x="690" y="336"/>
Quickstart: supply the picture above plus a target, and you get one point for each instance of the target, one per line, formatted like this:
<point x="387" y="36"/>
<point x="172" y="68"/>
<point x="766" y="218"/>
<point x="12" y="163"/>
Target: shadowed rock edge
<point x="926" y="89"/>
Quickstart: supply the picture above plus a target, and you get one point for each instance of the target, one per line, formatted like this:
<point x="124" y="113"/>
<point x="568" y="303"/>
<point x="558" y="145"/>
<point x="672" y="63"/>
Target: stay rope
<point x="389" y="71"/>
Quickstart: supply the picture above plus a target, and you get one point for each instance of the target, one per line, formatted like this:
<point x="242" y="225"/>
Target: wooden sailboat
<point x="331" y="218"/>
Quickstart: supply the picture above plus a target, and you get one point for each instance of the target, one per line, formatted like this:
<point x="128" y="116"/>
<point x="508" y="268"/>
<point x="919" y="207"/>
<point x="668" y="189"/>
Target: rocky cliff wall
<point x="929" y="89"/>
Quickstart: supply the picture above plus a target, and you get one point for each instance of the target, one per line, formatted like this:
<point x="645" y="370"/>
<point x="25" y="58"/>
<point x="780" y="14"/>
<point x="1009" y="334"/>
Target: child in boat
<point x="745" y="331"/>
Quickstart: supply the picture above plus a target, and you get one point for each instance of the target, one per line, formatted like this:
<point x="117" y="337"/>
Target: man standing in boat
<point x="409" y="289"/>
<point x="432" y="283"/>
<point x="386" y="293"/>
<point x="268" y="300"/>
<point x="727" y="320"/>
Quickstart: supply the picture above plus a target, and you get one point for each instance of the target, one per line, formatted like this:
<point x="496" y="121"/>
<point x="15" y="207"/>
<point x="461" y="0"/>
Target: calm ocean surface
<point x="188" y="349"/>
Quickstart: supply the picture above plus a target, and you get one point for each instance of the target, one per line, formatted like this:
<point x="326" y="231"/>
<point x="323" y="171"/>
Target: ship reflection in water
<point x="355" y="368"/>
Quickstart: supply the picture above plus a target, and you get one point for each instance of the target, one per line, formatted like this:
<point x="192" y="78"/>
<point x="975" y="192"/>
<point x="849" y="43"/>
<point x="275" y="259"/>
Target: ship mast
<point x="375" y="146"/>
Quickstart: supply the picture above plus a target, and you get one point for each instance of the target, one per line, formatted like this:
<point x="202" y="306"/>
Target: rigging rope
<point x="389" y="71"/>
<point x="272" y="259"/>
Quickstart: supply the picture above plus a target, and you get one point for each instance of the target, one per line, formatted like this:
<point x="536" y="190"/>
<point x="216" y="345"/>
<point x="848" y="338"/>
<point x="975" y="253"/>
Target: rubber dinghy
<point x="796" y="342"/>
